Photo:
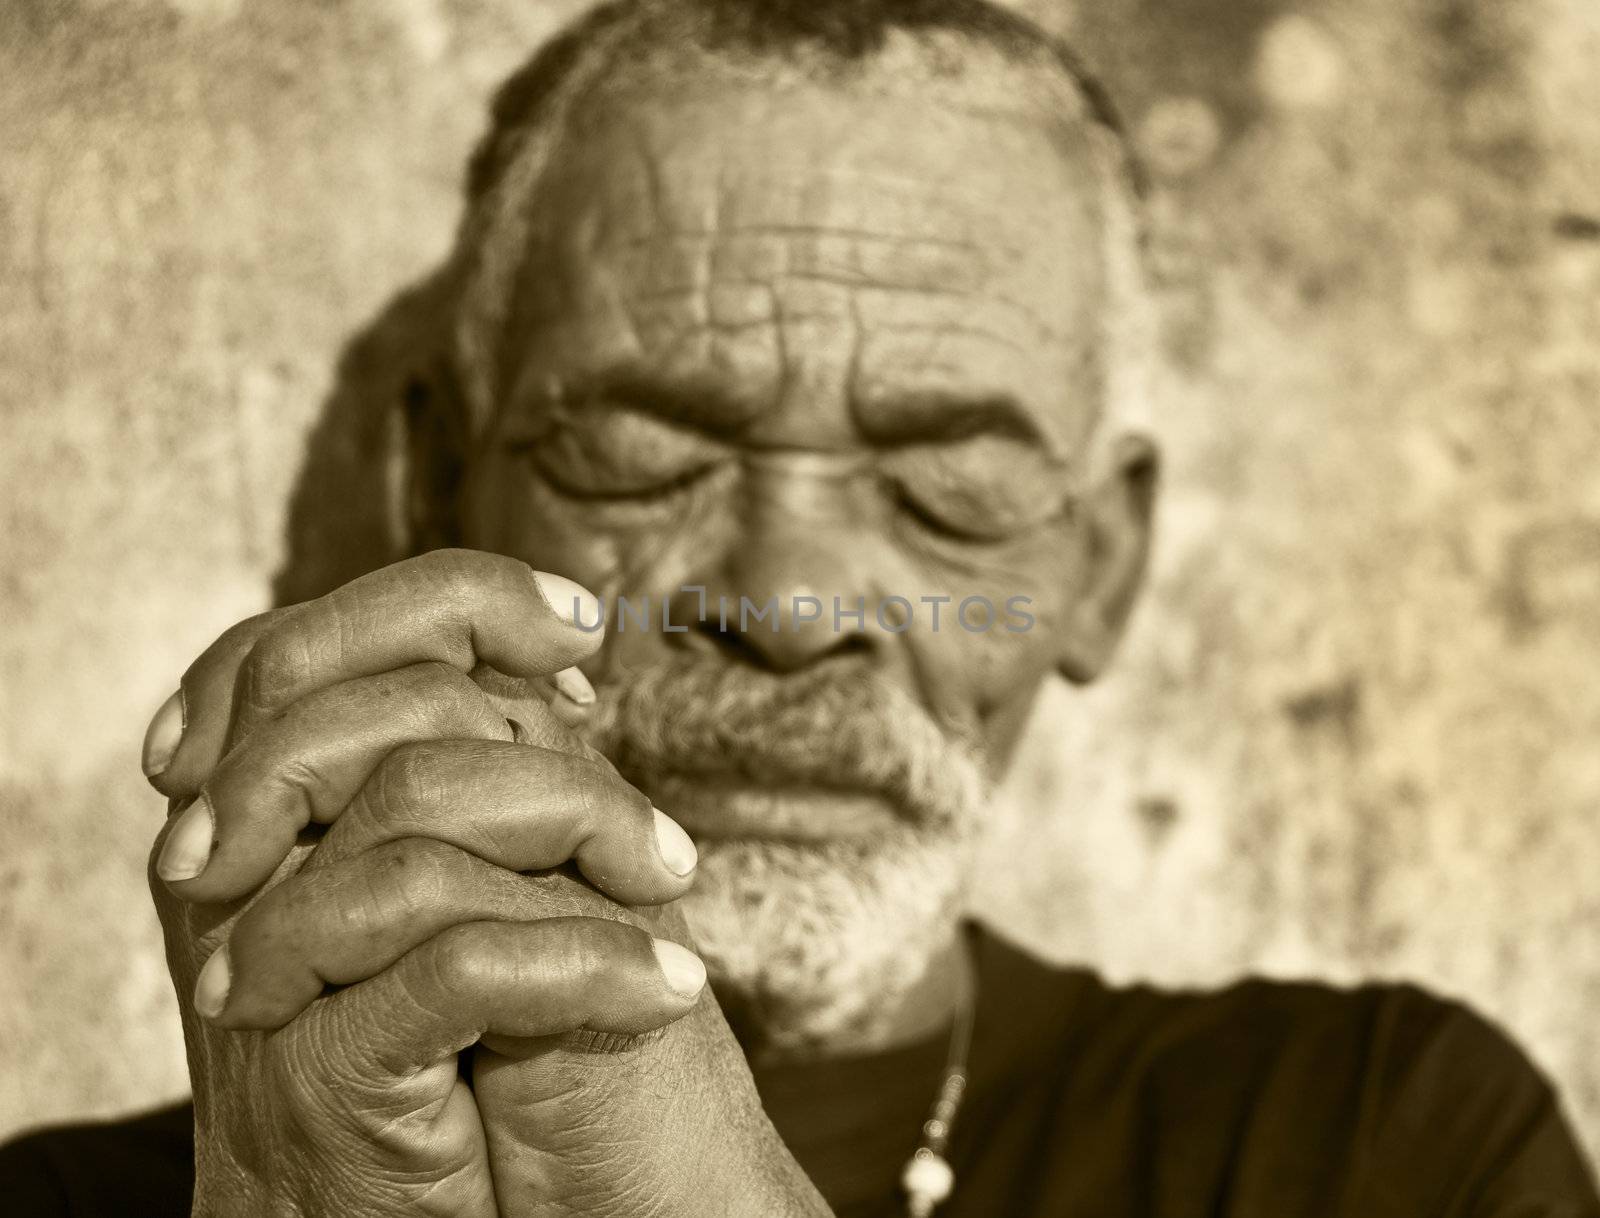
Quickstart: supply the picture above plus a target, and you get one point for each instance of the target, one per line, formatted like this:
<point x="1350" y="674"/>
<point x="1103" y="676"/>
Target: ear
<point x="1119" y="513"/>
<point x="430" y="453"/>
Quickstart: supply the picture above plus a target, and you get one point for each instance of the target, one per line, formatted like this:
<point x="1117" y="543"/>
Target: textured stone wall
<point x="1353" y="733"/>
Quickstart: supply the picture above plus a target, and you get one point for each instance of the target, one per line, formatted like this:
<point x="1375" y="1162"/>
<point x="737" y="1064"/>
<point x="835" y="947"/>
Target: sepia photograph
<point x="800" y="608"/>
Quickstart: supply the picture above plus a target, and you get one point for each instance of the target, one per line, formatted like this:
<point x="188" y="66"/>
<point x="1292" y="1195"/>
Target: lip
<point x="723" y="809"/>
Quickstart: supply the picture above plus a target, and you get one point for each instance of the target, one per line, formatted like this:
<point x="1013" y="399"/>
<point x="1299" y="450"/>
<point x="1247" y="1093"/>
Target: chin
<point x="814" y="945"/>
<point x="836" y="820"/>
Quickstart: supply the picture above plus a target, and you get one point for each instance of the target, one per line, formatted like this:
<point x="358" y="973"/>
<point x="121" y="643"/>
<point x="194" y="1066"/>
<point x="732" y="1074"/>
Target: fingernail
<point x="188" y="847"/>
<point x="684" y="971"/>
<point x="211" y="987"/>
<point x="575" y="686"/>
<point x="162" y="736"/>
<point x="676" y="846"/>
<point x="573" y="603"/>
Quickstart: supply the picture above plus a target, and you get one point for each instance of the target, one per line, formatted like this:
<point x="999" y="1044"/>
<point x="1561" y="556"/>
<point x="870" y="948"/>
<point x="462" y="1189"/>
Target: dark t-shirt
<point x="1265" y="1100"/>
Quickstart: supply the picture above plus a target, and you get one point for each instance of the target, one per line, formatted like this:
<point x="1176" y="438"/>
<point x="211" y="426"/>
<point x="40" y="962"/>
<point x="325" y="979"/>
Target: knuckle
<point x="279" y="662"/>
<point x="591" y="785"/>
<point x="469" y="578"/>
<point x="429" y="870"/>
<point x="438" y="678"/>
<point x="245" y="634"/>
<point x="449" y="700"/>
<point x="461" y="572"/>
<point x="307" y="784"/>
<point x="398" y="881"/>
<point x="597" y="801"/>
<point x="457" y="577"/>
<point x="605" y="804"/>
<point x="468" y="569"/>
<point x="409" y="785"/>
<point x="458" y="965"/>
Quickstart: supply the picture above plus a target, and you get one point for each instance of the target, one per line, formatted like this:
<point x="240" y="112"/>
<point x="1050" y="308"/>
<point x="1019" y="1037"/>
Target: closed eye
<point x="935" y="521"/>
<point x="617" y="453"/>
<point x="985" y="488"/>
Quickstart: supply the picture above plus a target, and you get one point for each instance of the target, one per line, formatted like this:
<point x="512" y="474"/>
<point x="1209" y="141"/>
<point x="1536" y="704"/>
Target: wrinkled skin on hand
<point x="302" y="1119"/>
<point x="637" y="1128"/>
<point x="468" y="897"/>
<point x="306" y="1119"/>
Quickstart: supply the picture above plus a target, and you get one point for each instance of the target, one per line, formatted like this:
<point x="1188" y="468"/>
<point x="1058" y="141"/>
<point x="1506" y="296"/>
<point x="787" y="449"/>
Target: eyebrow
<point x="936" y="415"/>
<point x="701" y="402"/>
<point x="899" y="417"/>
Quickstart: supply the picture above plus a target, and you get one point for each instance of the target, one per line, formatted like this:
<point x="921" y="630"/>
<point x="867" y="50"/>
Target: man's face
<point x="809" y="343"/>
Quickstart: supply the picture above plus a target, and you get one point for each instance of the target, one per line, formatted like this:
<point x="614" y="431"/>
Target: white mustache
<point x="829" y="729"/>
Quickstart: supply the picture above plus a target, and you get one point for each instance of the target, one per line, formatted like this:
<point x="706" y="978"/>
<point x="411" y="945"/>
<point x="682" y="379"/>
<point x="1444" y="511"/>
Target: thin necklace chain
<point x="928" y="1178"/>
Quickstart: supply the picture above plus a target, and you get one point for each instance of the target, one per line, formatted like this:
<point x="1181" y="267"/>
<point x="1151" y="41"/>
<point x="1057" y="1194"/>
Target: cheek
<point x="505" y="511"/>
<point x="987" y="671"/>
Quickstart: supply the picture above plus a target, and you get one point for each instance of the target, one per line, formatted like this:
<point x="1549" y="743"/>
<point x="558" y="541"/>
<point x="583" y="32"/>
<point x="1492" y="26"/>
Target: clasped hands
<point x="423" y="939"/>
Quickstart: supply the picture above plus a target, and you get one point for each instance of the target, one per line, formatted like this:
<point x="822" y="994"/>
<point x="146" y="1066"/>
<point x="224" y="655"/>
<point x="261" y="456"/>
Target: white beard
<point x="813" y="942"/>
<point x="817" y="943"/>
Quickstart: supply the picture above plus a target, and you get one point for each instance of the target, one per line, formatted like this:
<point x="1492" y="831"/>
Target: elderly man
<point x="800" y="340"/>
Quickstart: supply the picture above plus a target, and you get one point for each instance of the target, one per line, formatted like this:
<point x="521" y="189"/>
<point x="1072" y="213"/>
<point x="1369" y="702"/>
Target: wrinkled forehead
<point x="935" y="215"/>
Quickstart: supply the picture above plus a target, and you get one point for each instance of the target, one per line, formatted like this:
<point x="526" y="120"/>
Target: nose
<point x="793" y="588"/>
<point x="784" y="617"/>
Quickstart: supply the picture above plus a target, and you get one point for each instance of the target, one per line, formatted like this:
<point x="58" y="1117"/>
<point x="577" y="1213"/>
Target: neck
<point x="919" y="1013"/>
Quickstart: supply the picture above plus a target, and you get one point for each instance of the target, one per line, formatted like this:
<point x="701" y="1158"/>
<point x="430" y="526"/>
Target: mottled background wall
<point x="1355" y="730"/>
